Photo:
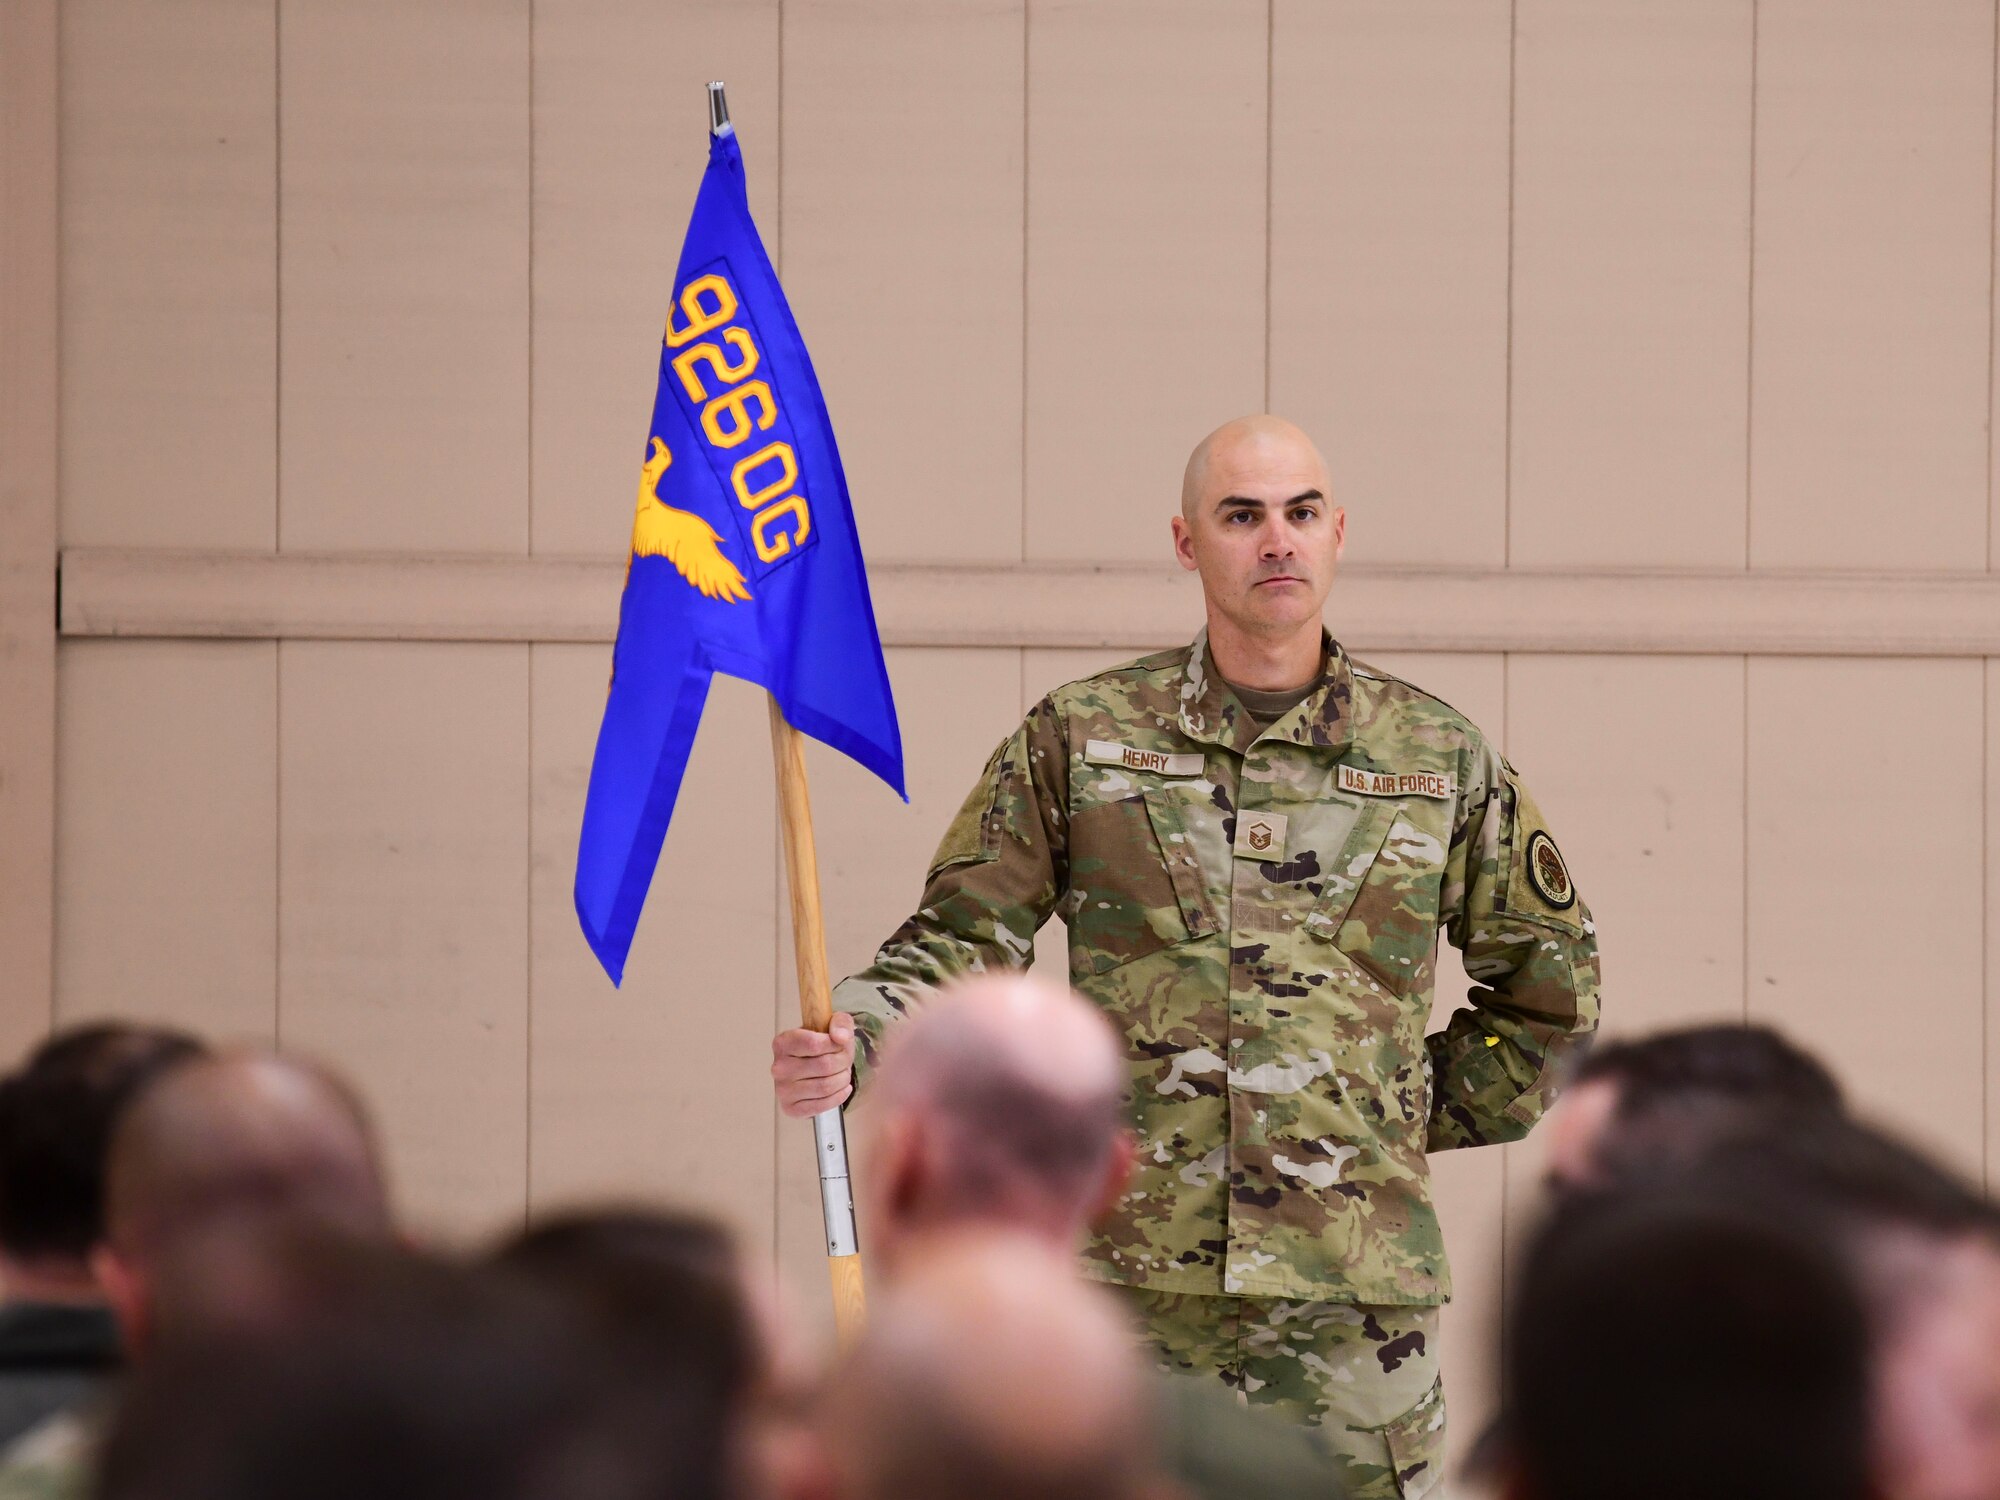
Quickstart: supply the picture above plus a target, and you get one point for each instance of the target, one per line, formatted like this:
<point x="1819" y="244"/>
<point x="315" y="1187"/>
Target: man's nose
<point x="1278" y="542"/>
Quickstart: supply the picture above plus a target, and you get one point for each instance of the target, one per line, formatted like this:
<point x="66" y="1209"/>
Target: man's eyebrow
<point x="1230" y="501"/>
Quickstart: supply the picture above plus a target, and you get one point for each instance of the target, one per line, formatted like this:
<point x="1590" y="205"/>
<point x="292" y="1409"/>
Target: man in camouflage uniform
<point x="1255" y="842"/>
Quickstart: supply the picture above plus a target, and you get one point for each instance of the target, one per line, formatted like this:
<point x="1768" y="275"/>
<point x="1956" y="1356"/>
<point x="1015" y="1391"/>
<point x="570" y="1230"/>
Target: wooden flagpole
<point x="836" y="1198"/>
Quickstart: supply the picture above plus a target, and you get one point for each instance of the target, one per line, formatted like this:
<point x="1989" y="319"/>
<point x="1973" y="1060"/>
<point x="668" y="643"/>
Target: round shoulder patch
<point x="1548" y="874"/>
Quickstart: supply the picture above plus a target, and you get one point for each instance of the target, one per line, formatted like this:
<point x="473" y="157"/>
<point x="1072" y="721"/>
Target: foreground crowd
<point x="1737" y="1290"/>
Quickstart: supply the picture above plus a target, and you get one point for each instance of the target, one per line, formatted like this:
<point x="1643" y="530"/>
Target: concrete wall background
<point x="1565" y="287"/>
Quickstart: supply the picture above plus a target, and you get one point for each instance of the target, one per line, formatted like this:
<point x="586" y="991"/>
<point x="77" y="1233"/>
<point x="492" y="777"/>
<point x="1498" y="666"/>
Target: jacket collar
<point x="1211" y="713"/>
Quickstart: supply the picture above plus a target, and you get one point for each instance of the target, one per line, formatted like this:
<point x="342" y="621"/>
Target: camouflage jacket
<point x="1259" y="913"/>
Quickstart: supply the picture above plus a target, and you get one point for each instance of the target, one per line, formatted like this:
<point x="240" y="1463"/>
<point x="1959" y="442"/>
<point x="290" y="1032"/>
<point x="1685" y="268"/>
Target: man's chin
<point x="1279" y="612"/>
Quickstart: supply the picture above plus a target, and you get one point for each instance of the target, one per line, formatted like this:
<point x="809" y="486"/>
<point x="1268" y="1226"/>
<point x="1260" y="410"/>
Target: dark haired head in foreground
<point x="56" y="1117"/>
<point x="57" y="1111"/>
<point x="667" y="1293"/>
<point x="1924" y="1249"/>
<point x="1671" y="1345"/>
<point x="1655" y="1100"/>
<point x="431" y="1383"/>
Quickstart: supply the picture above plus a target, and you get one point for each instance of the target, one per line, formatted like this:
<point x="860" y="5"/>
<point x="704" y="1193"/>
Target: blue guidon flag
<point x="744" y="560"/>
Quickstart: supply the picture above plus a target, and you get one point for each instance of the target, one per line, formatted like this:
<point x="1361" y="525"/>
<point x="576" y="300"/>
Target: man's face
<point x="1263" y="532"/>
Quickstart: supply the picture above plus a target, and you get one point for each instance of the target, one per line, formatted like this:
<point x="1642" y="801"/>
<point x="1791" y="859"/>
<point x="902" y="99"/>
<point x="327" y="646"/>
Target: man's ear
<point x="1339" y="531"/>
<point x="125" y="1289"/>
<point x="1118" y="1167"/>
<point x="904" y="1167"/>
<point x="1184" y="543"/>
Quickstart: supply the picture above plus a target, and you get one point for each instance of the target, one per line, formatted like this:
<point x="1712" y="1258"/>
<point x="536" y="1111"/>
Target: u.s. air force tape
<point x="1396" y="783"/>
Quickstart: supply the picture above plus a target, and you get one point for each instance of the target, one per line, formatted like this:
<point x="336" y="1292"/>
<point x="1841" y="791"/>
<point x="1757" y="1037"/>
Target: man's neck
<point x="1265" y="664"/>
<point x="48" y="1279"/>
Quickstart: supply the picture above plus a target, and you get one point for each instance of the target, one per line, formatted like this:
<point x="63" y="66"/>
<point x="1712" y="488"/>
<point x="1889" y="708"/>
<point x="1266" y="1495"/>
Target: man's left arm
<point x="1510" y="904"/>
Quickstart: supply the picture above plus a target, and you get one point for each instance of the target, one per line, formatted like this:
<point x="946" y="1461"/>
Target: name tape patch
<point x="1396" y="783"/>
<point x="1105" y="753"/>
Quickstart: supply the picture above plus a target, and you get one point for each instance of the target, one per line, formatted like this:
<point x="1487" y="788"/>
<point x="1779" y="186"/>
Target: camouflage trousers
<point x="1365" y="1377"/>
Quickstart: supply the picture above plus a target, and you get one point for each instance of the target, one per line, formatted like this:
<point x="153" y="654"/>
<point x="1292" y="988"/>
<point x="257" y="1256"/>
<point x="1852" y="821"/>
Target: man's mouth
<point x="1279" y="578"/>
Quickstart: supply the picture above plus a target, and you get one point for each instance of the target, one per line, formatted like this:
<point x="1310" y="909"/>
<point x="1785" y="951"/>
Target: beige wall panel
<point x="657" y="1089"/>
<point x="1865" y="882"/>
<point x="404" y="276"/>
<point x="1470" y="1186"/>
<point x="955" y="706"/>
<point x="1992" y="1143"/>
<point x="167" y="835"/>
<point x="30" y="33"/>
<point x="1638" y="764"/>
<point x="620" y="140"/>
<point x="1631" y="283"/>
<point x="170" y="264"/>
<point x="1146" y="237"/>
<point x="903" y="248"/>
<point x="403" y="928"/>
<point x="1874" y="263"/>
<point x="1389" y="265"/>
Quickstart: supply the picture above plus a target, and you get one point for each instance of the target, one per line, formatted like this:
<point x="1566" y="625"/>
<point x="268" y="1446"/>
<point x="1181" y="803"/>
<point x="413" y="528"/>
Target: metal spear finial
<point x="718" y="111"/>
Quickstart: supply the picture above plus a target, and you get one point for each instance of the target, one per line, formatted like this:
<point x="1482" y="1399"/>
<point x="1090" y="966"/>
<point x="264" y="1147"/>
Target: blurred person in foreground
<point x="998" y="1107"/>
<point x="210" y="1165"/>
<point x="432" y="1382"/>
<point x="1669" y="1344"/>
<point x="58" y="1339"/>
<point x="1924" y="1248"/>
<point x="669" y="1295"/>
<point x="989" y="1370"/>
<point x="1666" y="1094"/>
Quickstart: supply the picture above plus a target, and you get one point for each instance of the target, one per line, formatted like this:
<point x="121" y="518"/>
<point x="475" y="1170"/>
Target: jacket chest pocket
<point x="1135" y="878"/>
<point x="1380" y="905"/>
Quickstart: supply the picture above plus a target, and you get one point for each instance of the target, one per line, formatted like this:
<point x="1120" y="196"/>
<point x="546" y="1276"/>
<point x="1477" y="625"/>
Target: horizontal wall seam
<point x="303" y="596"/>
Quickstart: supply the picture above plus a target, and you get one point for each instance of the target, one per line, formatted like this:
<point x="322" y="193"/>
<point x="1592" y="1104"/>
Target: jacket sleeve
<point x="1511" y="906"/>
<point x="994" y="880"/>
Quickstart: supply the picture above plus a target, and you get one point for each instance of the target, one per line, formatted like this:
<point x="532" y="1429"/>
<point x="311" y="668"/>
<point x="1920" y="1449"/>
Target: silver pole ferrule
<point x="836" y="1196"/>
<point x="718" y="111"/>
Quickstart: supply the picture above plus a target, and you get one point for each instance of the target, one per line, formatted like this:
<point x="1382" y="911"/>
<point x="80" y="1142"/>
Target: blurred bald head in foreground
<point x="1000" y="1103"/>
<point x="990" y="1370"/>
<point x="218" y="1161"/>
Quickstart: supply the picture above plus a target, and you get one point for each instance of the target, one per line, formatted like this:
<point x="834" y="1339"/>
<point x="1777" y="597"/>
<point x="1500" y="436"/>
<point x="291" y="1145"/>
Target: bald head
<point x="990" y="1369"/>
<point x="1233" y="459"/>
<point x="247" y="1135"/>
<point x="1007" y="1025"/>
<point x="1002" y="1101"/>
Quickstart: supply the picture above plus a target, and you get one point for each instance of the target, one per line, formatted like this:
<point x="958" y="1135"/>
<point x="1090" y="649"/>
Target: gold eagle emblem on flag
<point x="680" y="536"/>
